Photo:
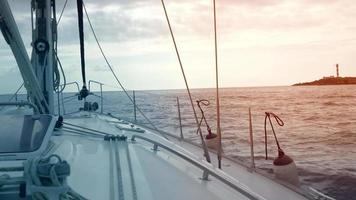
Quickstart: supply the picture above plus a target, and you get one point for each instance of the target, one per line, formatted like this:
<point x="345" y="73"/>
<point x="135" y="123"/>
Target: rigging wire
<point x="217" y="89"/>
<point x="17" y="91"/>
<point x="14" y="95"/>
<point x="60" y="16"/>
<point x="206" y="152"/>
<point x="112" y="71"/>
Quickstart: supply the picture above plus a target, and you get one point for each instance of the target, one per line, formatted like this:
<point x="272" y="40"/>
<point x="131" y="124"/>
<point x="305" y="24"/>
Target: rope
<point x="63" y="74"/>
<point x="119" y="175"/>
<point x="279" y="122"/>
<point x="111" y="168"/>
<point x="205" y="103"/>
<point x="57" y="84"/>
<point x="81" y="132"/>
<point x="85" y="128"/>
<point x="52" y="179"/>
<point x="78" y="132"/>
<point x="133" y="185"/>
<point x="206" y="152"/>
<point x="112" y="71"/>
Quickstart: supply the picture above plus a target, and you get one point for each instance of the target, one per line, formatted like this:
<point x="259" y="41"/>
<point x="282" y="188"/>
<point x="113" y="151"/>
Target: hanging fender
<point x="211" y="139"/>
<point x="284" y="167"/>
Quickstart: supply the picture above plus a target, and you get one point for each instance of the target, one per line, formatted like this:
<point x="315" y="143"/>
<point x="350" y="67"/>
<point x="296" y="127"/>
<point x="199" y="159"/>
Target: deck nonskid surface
<point x="147" y="173"/>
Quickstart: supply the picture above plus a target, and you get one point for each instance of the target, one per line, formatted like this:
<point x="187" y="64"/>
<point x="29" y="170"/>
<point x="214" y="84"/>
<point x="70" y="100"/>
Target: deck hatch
<point x="21" y="135"/>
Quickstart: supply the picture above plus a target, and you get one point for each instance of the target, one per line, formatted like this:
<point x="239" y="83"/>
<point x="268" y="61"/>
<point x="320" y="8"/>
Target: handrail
<point x="92" y="81"/>
<point x="72" y="83"/>
<point x="243" y="164"/>
<point x="241" y="189"/>
<point x="61" y="93"/>
<point x="22" y="103"/>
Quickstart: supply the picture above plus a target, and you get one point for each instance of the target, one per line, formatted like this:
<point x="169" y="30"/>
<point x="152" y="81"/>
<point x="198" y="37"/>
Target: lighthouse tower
<point x="337" y="70"/>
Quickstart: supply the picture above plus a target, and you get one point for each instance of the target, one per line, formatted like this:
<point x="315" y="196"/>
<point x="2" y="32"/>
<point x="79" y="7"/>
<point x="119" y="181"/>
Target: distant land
<point x="331" y="81"/>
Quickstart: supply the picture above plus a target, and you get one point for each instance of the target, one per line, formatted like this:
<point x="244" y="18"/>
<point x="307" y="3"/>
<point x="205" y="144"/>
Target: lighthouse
<point x="337" y="70"/>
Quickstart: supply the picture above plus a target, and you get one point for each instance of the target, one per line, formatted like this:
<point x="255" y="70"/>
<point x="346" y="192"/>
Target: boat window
<point x="22" y="133"/>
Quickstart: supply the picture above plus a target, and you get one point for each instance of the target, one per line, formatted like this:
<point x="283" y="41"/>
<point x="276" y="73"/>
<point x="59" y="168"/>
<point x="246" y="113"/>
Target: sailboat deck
<point x="102" y="169"/>
<point x="156" y="174"/>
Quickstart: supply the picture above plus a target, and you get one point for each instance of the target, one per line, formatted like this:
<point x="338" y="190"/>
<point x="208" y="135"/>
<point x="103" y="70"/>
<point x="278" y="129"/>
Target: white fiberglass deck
<point x="153" y="174"/>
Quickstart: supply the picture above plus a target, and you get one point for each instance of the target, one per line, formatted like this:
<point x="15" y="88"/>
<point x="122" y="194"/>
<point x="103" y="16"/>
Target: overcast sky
<point x="261" y="42"/>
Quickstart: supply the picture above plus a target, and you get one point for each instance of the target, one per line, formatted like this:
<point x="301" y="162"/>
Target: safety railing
<point x="142" y="95"/>
<point x="101" y="93"/>
<point x="21" y="103"/>
<point x="179" y="122"/>
<point x="61" y="100"/>
<point x="72" y="83"/>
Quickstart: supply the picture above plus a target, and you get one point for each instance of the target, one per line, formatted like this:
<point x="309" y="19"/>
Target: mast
<point x="43" y="39"/>
<point x="84" y="92"/>
<point x="13" y="38"/>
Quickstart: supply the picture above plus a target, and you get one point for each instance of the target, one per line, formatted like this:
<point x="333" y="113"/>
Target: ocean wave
<point x="330" y="103"/>
<point x="344" y="134"/>
<point x="336" y="96"/>
<point x="312" y="118"/>
<point x="346" y="186"/>
<point x="341" y="124"/>
<point x="340" y="186"/>
<point x="350" y="169"/>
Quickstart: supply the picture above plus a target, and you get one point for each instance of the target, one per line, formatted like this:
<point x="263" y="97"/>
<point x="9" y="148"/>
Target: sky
<point x="260" y="42"/>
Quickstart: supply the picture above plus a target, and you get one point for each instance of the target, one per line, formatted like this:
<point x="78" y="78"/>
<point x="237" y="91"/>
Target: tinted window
<point x="22" y="133"/>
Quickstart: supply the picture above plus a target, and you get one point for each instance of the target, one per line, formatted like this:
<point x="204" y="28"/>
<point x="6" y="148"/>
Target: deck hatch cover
<point x="21" y="134"/>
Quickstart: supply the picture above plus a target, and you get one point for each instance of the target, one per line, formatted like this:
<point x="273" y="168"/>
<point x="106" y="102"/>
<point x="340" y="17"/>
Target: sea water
<point x="319" y="130"/>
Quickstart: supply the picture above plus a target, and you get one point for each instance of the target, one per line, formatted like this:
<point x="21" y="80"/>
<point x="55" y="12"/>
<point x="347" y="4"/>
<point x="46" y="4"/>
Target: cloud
<point x="251" y="33"/>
